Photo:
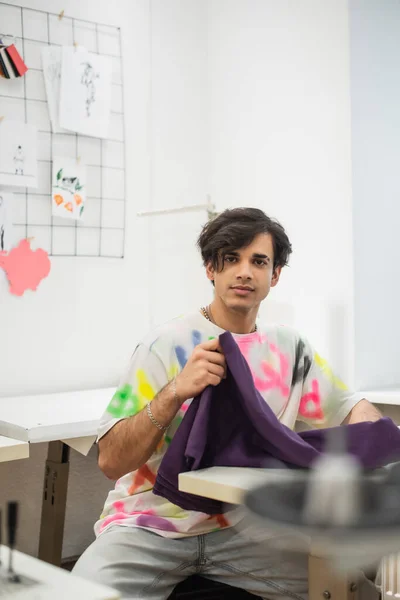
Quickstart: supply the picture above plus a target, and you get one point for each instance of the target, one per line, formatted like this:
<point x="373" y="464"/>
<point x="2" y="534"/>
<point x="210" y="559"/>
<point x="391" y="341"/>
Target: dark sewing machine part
<point x="12" y="523"/>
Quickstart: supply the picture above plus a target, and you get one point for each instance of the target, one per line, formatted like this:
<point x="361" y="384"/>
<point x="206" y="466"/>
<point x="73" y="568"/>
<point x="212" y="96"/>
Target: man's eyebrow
<point x="263" y="256"/>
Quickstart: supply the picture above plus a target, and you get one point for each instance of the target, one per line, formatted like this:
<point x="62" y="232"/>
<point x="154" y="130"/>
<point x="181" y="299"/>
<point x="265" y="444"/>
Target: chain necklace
<point x="206" y="313"/>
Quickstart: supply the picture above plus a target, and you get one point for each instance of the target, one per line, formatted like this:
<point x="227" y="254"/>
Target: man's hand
<point x="206" y="366"/>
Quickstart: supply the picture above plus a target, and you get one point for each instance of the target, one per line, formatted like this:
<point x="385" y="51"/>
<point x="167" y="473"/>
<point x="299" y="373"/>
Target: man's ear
<point x="210" y="271"/>
<point x="275" y="276"/>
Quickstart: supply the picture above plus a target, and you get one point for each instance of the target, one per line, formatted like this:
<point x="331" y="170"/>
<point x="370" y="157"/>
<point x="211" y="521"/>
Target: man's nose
<point x="244" y="271"/>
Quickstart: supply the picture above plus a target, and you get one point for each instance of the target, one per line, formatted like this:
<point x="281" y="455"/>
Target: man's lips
<point x="242" y="290"/>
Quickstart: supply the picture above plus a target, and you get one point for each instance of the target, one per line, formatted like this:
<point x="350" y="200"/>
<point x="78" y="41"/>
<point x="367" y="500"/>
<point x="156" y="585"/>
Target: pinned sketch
<point x="85" y="93"/>
<point x="18" y="154"/>
<point x="88" y="79"/>
<point x="51" y="61"/>
<point x="5" y="221"/>
<point x="68" y="189"/>
<point x="25" y="268"/>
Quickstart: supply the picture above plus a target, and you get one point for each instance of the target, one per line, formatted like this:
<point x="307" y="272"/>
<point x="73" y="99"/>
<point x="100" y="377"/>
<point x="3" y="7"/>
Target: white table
<point x="227" y="484"/>
<point x="68" y="416"/>
<point x="53" y="582"/>
<point x="230" y="484"/>
<point x="11" y="449"/>
<point x="69" y="419"/>
<point x="391" y="397"/>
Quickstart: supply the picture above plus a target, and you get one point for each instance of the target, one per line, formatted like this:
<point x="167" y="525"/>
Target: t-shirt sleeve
<point x="145" y="376"/>
<point x="325" y="399"/>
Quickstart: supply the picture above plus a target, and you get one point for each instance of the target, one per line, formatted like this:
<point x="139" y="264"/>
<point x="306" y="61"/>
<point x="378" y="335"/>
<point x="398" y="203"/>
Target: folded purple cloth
<point x="231" y="425"/>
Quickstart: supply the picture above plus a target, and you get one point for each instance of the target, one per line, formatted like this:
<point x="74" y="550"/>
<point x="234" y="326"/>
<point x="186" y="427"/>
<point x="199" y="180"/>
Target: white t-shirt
<point x="292" y="378"/>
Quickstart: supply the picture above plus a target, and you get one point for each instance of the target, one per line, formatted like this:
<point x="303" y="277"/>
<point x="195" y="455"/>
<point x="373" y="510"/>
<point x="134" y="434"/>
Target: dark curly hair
<point x="236" y="228"/>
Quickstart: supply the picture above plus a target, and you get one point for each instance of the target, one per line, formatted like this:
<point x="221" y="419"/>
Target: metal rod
<point x="165" y="211"/>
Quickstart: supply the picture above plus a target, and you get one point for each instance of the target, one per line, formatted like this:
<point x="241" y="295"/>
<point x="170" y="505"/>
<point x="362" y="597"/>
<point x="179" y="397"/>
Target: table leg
<point x="323" y="584"/>
<point x="54" y="503"/>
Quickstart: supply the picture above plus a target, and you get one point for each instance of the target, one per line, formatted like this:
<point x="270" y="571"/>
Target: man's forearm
<point x="131" y="442"/>
<point x="363" y="411"/>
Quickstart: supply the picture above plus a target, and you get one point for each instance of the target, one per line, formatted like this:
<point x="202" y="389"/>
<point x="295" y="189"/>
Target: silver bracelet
<point x="150" y="414"/>
<point x="153" y="420"/>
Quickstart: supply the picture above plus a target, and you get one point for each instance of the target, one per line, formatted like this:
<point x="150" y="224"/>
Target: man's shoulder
<point x="174" y="331"/>
<point x="283" y="335"/>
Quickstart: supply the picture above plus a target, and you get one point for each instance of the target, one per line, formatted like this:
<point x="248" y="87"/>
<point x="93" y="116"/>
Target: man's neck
<point x="233" y="321"/>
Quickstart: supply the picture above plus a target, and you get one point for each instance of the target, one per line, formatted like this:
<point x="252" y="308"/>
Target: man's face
<point x="247" y="275"/>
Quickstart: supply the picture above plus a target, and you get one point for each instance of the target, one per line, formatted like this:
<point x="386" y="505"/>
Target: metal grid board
<point x="102" y="233"/>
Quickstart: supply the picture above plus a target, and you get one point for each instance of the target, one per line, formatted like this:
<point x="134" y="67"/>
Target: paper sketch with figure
<point x="85" y="93"/>
<point x="51" y="61"/>
<point x="68" y="189"/>
<point x="18" y="154"/>
<point x="6" y="223"/>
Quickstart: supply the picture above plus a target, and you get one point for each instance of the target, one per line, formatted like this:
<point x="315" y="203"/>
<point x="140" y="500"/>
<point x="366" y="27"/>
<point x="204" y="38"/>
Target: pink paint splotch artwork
<point x="25" y="268"/>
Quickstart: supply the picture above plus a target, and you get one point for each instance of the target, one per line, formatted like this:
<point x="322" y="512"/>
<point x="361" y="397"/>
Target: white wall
<point x="179" y="145"/>
<point x="280" y="140"/>
<point x="246" y="100"/>
<point x="375" y="92"/>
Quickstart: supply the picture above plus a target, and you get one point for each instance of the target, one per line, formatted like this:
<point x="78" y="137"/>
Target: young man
<point x="145" y="545"/>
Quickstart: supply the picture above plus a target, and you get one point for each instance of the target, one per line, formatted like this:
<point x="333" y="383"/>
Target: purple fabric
<point x="231" y="425"/>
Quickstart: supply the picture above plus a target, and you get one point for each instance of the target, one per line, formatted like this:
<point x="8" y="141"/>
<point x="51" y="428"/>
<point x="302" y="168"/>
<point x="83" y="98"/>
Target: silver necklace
<point x="206" y="313"/>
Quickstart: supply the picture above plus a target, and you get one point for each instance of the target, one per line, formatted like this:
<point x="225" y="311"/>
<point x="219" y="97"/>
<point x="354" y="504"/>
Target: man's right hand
<point x="206" y="366"/>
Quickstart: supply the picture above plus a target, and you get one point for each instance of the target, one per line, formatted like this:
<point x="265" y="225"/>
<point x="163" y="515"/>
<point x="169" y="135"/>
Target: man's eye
<point x="230" y="259"/>
<point x="260" y="263"/>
